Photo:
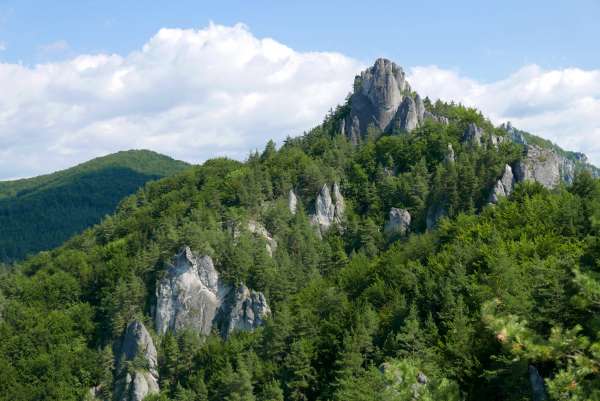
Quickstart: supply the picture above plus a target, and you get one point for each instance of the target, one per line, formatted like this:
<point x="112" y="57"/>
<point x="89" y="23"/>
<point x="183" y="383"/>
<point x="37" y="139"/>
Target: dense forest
<point x="492" y="300"/>
<point x="41" y="213"/>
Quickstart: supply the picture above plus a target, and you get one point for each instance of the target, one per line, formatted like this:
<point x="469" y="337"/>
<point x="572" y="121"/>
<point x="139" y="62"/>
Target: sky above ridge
<point x="196" y="80"/>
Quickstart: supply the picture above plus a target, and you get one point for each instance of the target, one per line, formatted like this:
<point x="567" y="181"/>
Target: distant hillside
<point x="42" y="212"/>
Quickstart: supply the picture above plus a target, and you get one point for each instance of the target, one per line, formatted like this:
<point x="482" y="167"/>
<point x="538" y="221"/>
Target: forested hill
<point x="401" y="250"/>
<point x="42" y="212"/>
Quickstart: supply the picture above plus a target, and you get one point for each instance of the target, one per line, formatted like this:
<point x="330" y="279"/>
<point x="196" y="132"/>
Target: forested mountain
<point x="42" y="212"/>
<point x="401" y="250"/>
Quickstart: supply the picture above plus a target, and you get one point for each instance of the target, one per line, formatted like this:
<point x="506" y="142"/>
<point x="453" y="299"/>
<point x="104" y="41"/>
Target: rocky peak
<point x="133" y="382"/>
<point x="473" y="135"/>
<point x="540" y="165"/>
<point x="382" y="98"/>
<point x="292" y="201"/>
<point x="192" y="296"/>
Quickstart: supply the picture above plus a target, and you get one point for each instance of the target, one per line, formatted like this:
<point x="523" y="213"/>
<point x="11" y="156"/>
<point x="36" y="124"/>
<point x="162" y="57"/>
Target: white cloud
<point x="191" y="94"/>
<point x="197" y="94"/>
<point x="560" y="105"/>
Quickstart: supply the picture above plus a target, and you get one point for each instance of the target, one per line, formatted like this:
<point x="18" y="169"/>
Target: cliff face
<point x="383" y="99"/>
<point x="192" y="296"/>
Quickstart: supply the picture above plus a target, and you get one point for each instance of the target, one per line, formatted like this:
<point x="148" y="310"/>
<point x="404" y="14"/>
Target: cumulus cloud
<point x="560" y="105"/>
<point x="221" y="91"/>
<point x="191" y="94"/>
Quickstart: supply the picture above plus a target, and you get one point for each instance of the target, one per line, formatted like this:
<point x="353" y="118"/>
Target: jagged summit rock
<point x="504" y="186"/>
<point x="193" y="296"/>
<point x="383" y="99"/>
<point x="328" y="210"/>
<point x="473" y="135"/>
<point x="398" y="222"/>
<point x="135" y="384"/>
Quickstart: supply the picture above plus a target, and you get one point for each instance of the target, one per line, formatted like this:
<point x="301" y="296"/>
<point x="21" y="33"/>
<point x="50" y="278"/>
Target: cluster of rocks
<point x="192" y="296"/>
<point x="383" y="99"/>
<point x="328" y="210"/>
<point x="398" y="222"/>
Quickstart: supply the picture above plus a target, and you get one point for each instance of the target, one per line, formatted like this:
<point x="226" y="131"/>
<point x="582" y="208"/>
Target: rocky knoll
<point x="137" y="366"/>
<point x="192" y="296"/>
<point x="398" y="222"/>
<point x="383" y="99"/>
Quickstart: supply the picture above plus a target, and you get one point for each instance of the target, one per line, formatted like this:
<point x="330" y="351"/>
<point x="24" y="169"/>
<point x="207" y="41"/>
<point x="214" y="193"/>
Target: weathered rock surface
<point x="398" y="222"/>
<point x="504" y="186"/>
<point x="135" y="382"/>
<point x="514" y="134"/>
<point x="382" y="98"/>
<point x="244" y="310"/>
<point x="450" y="157"/>
<point x="292" y="201"/>
<point x="538" y="390"/>
<point x="543" y="166"/>
<point x="328" y="210"/>
<point x="192" y="296"/>
<point x="257" y="228"/>
<point x="473" y="135"/>
<point x="189" y="295"/>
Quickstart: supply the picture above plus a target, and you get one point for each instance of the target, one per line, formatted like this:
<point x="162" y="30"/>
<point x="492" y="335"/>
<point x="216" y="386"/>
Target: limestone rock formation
<point x="398" y="222"/>
<point x="383" y="99"/>
<point x="133" y="382"/>
<point x="504" y="186"/>
<point x="189" y="295"/>
<point x="473" y="135"/>
<point x="244" y="310"/>
<point x="292" y="201"/>
<point x="514" y="134"/>
<point x="328" y="210"/>
<point x="543" y="166"/>
<point x="257" y="228"/>
<point x="193" y="296"/>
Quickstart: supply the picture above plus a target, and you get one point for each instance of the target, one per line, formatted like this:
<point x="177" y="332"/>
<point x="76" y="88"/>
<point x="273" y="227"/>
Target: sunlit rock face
<point x="192" y="296"/>
<point x="504" y="186"/>
<point x="398" y="222"/>
<point x="328" y="210"/>
<point x="137" y="383"/>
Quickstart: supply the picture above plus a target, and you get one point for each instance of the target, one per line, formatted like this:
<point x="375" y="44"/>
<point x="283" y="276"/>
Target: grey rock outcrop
<point x="543" y="166"/>
<point x="292" y="201"/>
<point x="473" y="135"/>
<point x="514" y="134"/>
<point x="137" y="366"/>
<point x="192" y="296"/>
<point x="538" y="389"/>
<point x="244" y="310"/>
<point x="383" y="99"/>
<point x="398" y="222"/>
<point x="328" y="210"/>
<point x="504" y="186"/>
<point x="258" y="229"/>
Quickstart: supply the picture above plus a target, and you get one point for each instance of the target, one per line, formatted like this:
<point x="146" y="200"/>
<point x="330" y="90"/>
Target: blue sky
<point x="196" y="80"/>
<point x="481" y="40"/>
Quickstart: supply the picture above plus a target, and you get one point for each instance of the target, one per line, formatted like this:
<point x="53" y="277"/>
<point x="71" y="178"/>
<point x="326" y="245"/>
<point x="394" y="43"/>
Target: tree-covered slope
<point x="42" y="212"/>
<point x="484" y="305"/>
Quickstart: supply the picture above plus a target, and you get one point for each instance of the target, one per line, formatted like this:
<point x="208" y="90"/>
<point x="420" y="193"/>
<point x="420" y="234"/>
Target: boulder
<point x="504" y="186"/>
<point x="192" y="296"/>
<point x="398" y="222"/>
<point x="137" y="366"/>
